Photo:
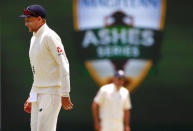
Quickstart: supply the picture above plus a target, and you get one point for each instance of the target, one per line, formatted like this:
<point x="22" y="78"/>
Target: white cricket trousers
<point x="111" y="125"/>
<point x="44" y="112"/>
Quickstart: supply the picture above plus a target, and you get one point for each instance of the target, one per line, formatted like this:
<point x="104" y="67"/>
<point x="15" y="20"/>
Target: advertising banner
<point x="119" y="34"/>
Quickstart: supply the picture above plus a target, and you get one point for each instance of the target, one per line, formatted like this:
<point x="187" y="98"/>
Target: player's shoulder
<point x="50" y="33"/>
<point x="124" y="91"/>
<point x="107" y="87"/>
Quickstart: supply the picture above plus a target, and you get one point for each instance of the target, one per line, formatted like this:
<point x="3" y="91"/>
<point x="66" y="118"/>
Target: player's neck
<point x="118" y="87"/>
<point x="39" y="27"/>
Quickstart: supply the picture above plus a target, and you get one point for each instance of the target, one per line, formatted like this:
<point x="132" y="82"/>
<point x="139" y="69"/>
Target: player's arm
<point x="127" y="120"/>
<point x="127" y="108"/>
<point x="97" y="102"/>
<point x="56" y="48"/>
<point x="95" y="113"/>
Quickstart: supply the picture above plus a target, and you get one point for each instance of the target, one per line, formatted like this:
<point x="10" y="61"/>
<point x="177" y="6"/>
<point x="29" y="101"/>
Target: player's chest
<point x="37" y="47"/>
<point x="114" y="98"/>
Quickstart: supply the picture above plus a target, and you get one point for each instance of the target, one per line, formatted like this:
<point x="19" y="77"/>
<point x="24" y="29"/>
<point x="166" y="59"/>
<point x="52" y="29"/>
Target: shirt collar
<point x="115" y="89"/>
<point x="40" y="30"/>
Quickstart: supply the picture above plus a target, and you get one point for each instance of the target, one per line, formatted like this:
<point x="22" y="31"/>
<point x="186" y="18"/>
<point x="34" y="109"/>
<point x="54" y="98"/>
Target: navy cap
<point x="34" y="10"/>
<point x="119" y="74"/>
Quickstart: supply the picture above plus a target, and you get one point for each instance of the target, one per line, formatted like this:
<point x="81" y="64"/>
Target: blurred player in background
<point x="111" y="106"/>
<point x="50" y="69"/>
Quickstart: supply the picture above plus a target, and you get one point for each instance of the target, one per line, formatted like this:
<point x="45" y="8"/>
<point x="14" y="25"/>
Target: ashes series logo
<point x="119" y="34"/>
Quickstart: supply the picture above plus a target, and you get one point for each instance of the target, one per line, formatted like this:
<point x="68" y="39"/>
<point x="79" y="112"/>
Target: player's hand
<point x="97" y="126"/>
<point x="27" y="106"/>
<point x="66" y="103"/>
<point x="127" y="128"/>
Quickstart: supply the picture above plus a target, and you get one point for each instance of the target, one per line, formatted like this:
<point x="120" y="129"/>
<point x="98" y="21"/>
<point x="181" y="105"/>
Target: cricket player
<point x="111" y="106"/>
<point x="50" y="67"/>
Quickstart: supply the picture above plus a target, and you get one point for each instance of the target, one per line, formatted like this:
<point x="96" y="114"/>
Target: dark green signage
<point x="119" y="42"/>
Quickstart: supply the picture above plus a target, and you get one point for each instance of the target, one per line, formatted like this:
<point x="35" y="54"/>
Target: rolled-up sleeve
<point x="127" y="102"/>
<point x="56" y="48"/>
<point x="99" y="98"/>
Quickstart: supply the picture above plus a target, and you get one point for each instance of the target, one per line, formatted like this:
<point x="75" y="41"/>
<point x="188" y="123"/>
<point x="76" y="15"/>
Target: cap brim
<point x="24" y="16"/>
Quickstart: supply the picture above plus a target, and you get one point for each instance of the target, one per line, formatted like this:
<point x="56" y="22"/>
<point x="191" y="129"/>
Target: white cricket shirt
<point x="49" y="63"/>
<point x="112" y="102"/>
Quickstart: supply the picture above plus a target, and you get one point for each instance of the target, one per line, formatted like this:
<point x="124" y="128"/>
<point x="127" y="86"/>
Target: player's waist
<point x="56" y="90"/>
<point x="43" y="83"/>
<point x="111" y="120"/>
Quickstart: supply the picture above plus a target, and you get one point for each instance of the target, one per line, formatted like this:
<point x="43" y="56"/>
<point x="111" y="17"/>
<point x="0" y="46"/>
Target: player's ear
<point x="40" y="18"/>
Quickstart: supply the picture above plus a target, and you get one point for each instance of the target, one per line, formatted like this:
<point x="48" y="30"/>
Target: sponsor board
<point x="119" y="34"/>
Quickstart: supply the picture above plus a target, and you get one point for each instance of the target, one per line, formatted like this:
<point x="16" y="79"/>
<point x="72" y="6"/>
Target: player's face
<point x="32" y="23"/>
<point x="119" y="81"/>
